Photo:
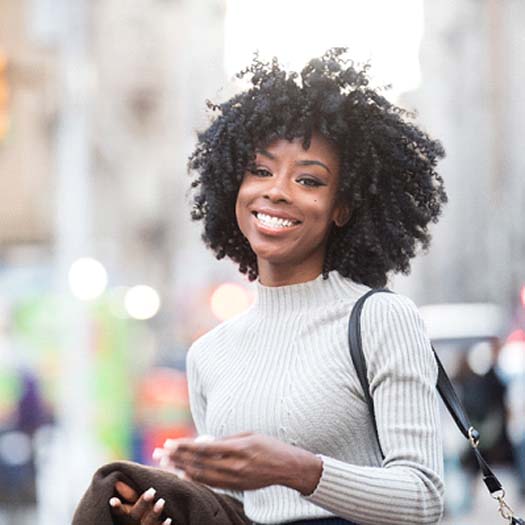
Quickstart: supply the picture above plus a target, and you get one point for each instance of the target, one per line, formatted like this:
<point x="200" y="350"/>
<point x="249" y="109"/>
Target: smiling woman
<point x="318" y="188"/>
<point x="378" y="166"/>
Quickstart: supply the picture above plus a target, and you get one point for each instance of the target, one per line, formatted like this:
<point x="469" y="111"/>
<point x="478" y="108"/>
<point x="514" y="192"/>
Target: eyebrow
<point x="299" y="162"/>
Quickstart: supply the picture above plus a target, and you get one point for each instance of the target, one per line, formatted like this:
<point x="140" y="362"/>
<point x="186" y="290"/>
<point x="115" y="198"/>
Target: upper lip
<point x="276" y="213"/>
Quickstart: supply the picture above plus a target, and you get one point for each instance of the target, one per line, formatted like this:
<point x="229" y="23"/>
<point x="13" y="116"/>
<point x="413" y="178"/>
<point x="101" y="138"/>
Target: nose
<point x="278" y="189"/>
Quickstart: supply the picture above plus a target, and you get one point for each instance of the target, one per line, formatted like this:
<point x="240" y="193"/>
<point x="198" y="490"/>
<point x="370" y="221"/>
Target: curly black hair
<point x="387" y="164"/>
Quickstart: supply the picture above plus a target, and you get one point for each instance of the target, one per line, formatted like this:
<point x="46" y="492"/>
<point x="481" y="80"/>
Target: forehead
<point x="319" y="149"/>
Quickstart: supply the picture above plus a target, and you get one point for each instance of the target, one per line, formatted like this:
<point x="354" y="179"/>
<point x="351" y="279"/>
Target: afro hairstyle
<point x="387" y="164"/>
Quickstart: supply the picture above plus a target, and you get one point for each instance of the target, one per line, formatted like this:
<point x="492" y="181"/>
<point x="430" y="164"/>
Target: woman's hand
<point x="244" y="462"/>
<point x="137" y="510"/>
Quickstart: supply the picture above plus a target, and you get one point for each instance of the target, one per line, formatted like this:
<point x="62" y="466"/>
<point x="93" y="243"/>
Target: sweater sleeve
<point x="407" y="488"/>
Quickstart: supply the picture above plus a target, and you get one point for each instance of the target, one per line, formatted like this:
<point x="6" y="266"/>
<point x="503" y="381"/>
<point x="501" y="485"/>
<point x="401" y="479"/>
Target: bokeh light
<point x="142" y="302"/>
<point x="511" y="360"/>
<point x="480" y="358"/>
<point x="15" y="448"/>
<point x="87" y="279"/>
<point x="228" y="300"/>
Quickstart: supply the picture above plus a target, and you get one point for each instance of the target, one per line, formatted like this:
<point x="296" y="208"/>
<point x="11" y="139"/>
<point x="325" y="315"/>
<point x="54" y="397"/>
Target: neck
<point x="279" y="301"/>
<point x="276" y="276"/>
<point x="284" y="274"/>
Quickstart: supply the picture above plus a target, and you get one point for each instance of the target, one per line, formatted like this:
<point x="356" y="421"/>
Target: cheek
<point x="240" y="209"/>
<point x="237" y="212"/>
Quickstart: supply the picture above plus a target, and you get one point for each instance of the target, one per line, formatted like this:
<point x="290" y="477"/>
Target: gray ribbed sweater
<point x="283" y="369"/>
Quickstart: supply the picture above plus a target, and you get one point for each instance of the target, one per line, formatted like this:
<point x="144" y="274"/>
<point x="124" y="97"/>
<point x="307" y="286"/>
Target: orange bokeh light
<point x="228" y="300"/>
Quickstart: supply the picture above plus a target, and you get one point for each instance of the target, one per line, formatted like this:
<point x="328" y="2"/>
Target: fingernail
<point x="159" y="505"/>
<point x="204" y="438"/>
<point x="167" y="521"/>
<point x="114" y="502"/>
<point x="158" y="454"/>
<point x="170" y="443"/>
<point x="149" y="494"/>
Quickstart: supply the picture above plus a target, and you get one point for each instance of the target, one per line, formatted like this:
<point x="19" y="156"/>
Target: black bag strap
<point x="447" y="393"/>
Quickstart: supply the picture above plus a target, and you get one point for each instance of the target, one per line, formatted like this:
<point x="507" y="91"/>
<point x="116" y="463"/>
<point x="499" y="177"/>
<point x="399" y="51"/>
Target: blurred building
<point x="27" y="111"/>
<point x="156" y="64"/>
<point x="471" y="98"/>
<point x="135" y="76"/>
<point x="99" y="104"/>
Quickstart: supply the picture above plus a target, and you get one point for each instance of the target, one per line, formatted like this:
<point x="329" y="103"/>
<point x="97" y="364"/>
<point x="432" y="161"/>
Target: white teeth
<point x="274" y="222"/>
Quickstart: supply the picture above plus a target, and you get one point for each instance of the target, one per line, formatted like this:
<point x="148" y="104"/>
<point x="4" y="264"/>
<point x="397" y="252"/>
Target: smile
<point x="274" y="222"/>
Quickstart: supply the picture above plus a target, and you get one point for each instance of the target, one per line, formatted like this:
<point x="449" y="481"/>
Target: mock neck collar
<point x="273" y="300"/>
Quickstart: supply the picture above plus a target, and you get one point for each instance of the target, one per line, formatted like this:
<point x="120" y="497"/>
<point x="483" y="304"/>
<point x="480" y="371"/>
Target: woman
<point x="318" y="187"/>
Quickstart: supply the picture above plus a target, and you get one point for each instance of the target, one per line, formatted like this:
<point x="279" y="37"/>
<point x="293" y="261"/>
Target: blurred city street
<point x="105" y="281"/>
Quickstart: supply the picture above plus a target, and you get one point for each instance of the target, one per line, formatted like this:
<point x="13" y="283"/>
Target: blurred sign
<point x="162" y="411"/>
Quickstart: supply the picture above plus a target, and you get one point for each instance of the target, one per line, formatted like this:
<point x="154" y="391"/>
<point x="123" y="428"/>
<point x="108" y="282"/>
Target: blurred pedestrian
<point x="17" y="454"/>
<point x="483" y="395"/>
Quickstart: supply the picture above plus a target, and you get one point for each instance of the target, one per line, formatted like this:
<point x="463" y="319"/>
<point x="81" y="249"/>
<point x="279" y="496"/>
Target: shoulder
<point x="394" y="335"/>
<point x="386" y="308"/>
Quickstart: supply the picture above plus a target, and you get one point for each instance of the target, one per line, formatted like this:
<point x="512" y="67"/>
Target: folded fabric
<point x="187" y="503"/>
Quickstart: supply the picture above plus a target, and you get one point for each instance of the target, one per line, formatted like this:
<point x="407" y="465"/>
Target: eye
<point x="310" y="182"/>
<point x="260" y="172"/>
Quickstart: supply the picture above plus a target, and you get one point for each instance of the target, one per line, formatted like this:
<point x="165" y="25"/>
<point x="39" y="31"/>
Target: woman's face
<point x="286" y="207"/>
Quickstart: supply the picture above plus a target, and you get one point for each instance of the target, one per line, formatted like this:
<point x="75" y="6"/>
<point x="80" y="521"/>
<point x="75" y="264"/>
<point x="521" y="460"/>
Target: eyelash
<point x="310" y="182"/>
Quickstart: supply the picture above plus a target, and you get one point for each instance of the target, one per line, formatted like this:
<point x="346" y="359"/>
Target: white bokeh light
<point x="480" y="358"/>
<point x="511" y="360"/>
<point x="87" y="279"/>
<point x="142" y="302"/>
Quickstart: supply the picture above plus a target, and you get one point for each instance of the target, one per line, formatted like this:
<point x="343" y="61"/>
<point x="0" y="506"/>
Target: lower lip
<point x="270" y="230"/>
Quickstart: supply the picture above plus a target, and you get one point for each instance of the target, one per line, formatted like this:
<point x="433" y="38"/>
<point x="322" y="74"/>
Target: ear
<point x="341" y="215"/>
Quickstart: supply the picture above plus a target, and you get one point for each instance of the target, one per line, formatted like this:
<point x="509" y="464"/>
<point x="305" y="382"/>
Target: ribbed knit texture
<point x="283" y="369"/>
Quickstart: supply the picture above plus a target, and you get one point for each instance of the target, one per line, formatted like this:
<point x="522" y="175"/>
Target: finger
<point x="201" y="450"/>
<point x="223" y="478"/>
<point x="118" y="508"/>
<point x="204" y="438"/>
<point x="172" y="444"/>
<point x="159" y="453"/>
<point x="162" y="457"/>
<point x="219" y="463"/>
<point x="153" y="516"/>
<point x="127" y="492"/>
<point x="143" y="504"/>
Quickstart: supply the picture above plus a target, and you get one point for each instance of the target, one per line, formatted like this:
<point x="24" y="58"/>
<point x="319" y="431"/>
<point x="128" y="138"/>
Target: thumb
<point x="127" y="492"/>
